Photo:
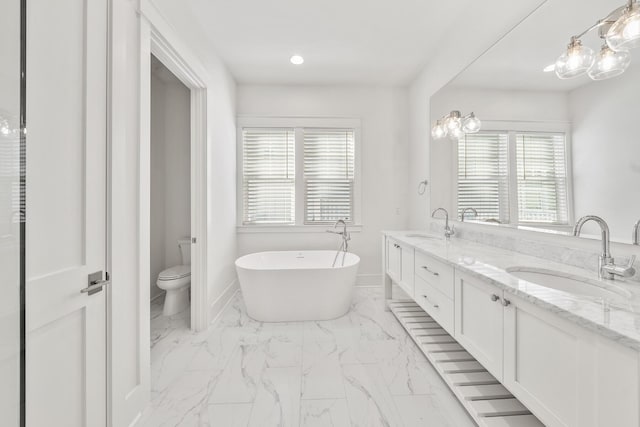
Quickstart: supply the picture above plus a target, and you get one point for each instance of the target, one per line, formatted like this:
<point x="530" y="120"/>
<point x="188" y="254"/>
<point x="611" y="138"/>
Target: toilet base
<point x="175" y="301"/>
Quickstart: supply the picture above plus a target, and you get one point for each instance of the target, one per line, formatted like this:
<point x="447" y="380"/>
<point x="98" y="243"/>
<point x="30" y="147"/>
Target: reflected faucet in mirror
<point x="448" y="231"/>
<point x="464" y="212"/>
<point x="607" y="269"/>
<point x="635" y="238"/>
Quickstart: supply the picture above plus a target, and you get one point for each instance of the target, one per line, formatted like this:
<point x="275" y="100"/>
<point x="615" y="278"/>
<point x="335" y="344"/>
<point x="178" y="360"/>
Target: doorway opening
<point x="170" y="204"/>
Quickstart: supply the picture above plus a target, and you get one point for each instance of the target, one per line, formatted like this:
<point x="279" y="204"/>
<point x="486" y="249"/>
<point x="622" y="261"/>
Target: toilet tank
<point x="185" y="250"/>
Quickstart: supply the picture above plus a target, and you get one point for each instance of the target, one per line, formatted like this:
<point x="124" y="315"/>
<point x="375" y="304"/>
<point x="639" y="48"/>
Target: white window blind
<point x="268" y="166"/>
<point x="483" y="176"/>
<point x="329" y="165"/>
<point x="542" y="178"/>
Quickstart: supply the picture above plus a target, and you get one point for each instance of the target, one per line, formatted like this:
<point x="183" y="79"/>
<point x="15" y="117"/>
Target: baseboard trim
<point x="217" y="307"/>
<point x="368" y="280"/>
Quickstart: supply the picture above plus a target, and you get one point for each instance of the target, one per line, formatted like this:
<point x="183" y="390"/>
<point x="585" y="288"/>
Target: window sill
<point x="241" y="229"/>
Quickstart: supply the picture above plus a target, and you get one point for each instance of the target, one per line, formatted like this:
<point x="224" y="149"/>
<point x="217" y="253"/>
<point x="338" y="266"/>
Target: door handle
<point x="95" y="283"/>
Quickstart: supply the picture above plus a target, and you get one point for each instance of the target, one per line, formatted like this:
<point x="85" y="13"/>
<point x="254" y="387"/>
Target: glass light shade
<point x="457" y="133"/>
<point x="609" y="63"/>
<point x="438" y="131"/>
<point x="575" y="61"/>
<point x="471" y="124"/>
<point x="453" y="121"/>
<point x="625" y="32"/>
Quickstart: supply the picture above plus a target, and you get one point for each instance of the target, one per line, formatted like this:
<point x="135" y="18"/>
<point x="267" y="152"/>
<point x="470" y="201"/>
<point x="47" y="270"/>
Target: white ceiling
<point x="516" y="62"/>
<point x="342" y="41"/>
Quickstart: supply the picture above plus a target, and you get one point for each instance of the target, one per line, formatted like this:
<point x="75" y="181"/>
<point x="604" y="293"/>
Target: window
<point x="301" y="174"/>
<point x="542" y="178"/>
<point x="514" y="177"/>
<point x="328" y="175"/>
<point x="268" y="184"/>
<point x="483" y="176"/>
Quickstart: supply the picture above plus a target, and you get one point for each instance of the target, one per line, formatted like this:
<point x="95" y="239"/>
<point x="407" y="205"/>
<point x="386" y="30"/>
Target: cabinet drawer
<point x="436" y="273"/>
<point x="435" y="303"/>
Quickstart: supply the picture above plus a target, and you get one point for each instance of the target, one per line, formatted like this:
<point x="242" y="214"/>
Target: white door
<point x="66" y="210"/>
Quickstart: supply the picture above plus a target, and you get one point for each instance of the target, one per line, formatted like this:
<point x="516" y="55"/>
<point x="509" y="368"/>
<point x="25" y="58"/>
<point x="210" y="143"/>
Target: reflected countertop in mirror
<point x="550" y="150"/>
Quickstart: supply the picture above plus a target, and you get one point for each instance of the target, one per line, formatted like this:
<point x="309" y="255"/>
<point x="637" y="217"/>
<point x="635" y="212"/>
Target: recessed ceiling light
<point x="549" y="68"/>
<point x="297" y="60"/>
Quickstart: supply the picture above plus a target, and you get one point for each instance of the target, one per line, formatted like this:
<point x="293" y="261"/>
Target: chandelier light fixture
<point x="620" y="31"/>
<point x="455" y="125"/>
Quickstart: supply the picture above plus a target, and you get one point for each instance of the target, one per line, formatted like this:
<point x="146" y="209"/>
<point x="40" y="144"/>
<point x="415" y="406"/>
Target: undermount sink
<point x="569" y="283"/>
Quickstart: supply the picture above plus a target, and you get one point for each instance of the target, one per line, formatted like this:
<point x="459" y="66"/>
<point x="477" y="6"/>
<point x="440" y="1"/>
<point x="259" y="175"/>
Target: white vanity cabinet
<point x="433" y="285"/>
<point x="479" y="321"/>
<point x="565" y="374"/>
<point x="394" y="259"/>
<point x="399" y="264"/>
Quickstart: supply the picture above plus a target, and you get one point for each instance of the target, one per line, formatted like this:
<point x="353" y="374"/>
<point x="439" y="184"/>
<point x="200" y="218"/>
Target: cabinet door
<point x="394" y="260"/>
<point x="566" y="375"/>
<point x="479" y="321"/>
<point x="406" y="269"/>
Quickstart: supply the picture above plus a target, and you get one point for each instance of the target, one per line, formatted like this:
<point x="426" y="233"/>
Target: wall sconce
<point x="455" y="125"/>
<point x="620" y="31"/>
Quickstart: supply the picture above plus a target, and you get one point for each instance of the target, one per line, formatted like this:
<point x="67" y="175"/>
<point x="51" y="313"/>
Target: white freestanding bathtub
<point x="297" y="285"/>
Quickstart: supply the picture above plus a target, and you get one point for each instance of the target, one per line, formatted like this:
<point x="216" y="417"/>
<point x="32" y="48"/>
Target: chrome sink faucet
<point x="464" y="212"/>
<point x="607" y="269"/>
<point x="448" y="231"/>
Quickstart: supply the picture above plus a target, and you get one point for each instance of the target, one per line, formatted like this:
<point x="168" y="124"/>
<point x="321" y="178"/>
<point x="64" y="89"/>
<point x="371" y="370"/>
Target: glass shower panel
<point x="11" y="214"/>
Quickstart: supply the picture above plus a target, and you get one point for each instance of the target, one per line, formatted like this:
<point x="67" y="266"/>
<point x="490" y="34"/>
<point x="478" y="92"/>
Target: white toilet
<point x="176" y="281"/>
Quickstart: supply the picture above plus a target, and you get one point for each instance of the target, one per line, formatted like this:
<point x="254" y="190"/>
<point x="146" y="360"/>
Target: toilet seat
<point x="174" y="273"/>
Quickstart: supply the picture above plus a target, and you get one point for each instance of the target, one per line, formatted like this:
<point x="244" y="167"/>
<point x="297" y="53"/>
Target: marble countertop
<point x="617" y="319"/>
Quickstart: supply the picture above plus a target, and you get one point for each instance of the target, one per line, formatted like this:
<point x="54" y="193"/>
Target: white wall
<point x="468" y="40"/>
<point x="488" y="105"/>
<point x="170" y="171"/>
<point x="606" y="151"/>
<point x="384" y="140"/>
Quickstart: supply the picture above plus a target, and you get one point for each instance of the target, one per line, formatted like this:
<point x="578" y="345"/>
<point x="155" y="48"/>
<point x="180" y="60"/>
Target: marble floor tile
<point x="162" y="326"/>
<point x="277" y="401"/>
<point x="241" y="377"/>
<point x="282" y="344"/>
<point x="229" y="414"/>
<point x="321" y="372"/>
<point x="324" y="413"/>
<point x="370" y="403"/>
<point x="421" y="410"/>
<point x="361" y="369"/>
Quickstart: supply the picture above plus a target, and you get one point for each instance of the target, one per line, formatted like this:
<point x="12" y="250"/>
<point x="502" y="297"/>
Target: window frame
<point x="298" y="124"/>
<point x="512" y="129"/>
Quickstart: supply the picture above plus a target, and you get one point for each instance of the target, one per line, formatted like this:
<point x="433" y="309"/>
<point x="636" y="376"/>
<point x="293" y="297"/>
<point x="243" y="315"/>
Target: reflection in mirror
<point x="550" y="150"/>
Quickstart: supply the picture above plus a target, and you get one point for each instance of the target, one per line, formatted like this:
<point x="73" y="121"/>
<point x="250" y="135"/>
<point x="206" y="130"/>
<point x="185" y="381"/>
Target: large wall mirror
<point x="549" y="150"/>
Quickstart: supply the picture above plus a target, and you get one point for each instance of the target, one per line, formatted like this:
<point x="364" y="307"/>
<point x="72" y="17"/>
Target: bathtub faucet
<point x="346" y="236"/>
